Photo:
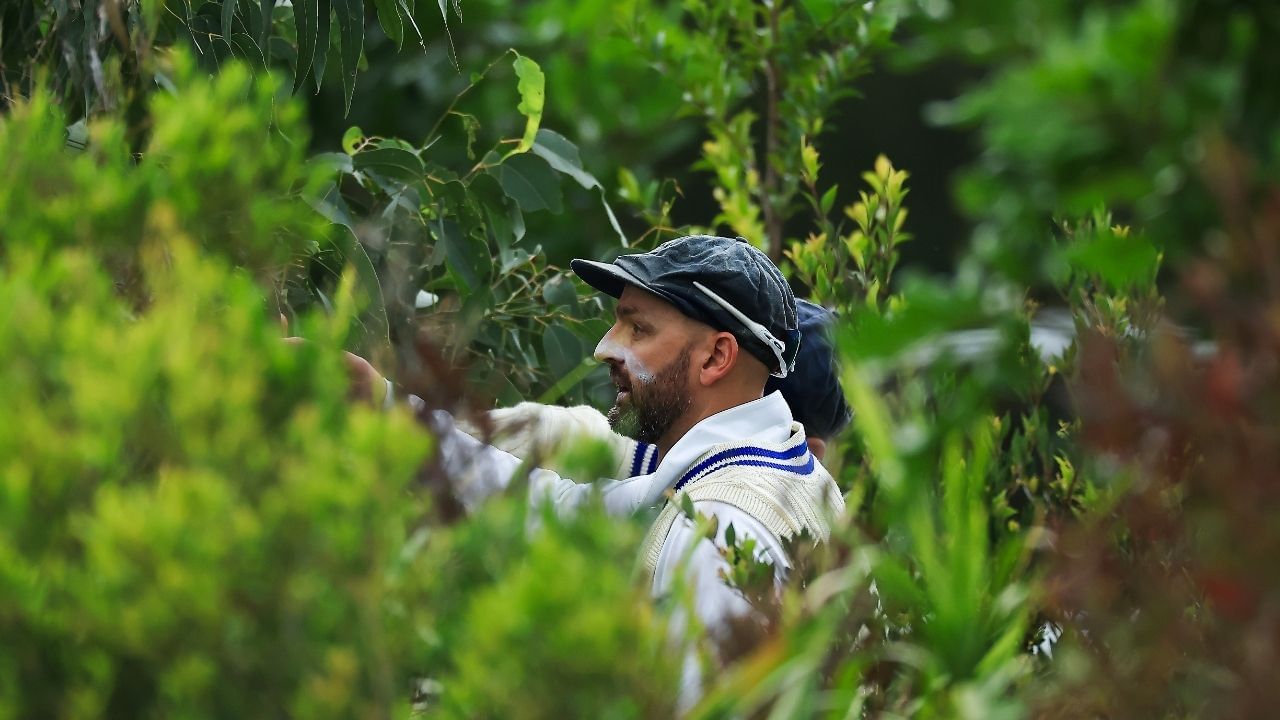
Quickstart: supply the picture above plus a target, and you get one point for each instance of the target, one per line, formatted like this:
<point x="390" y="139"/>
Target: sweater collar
<point x="763" y="421"/>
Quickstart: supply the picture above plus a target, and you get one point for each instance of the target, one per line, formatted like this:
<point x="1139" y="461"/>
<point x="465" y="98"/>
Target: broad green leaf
<point x="351" y="30"/>
<point x="489" y="195"/>
<point x="466" y="256"/>
<point x="513" y="258"/>
<point x="559" y="290"/>
<point x="569" y="380"/>
<point x="389" y="18"/>
<point x="332" y="207"/>
<point x="333" y="162"/>
<point x="563" y="350"/>
<point x="533" y="88"/>
<point x="391" y="162"/>
<point x="563" y="156"/>
<point x="228" y="16"/>
<point x="306" y="15"/>
<point x="406" y="10"/>
<point x="531" y="182"/>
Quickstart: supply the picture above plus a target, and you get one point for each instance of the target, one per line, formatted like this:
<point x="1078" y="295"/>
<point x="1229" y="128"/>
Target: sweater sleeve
<point x="479" y="471"/>
<point x="538" y="432"/>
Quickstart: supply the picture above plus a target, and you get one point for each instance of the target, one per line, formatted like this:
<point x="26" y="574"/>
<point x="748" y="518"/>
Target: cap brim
<point x="605" y="277"/>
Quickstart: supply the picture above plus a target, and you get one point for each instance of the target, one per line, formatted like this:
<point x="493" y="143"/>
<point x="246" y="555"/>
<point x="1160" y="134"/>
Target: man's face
<point x="648" y="351"/>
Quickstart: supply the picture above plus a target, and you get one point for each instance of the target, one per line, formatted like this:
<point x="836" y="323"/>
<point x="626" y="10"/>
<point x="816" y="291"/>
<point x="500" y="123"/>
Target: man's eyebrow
<point x="620" y="311"/>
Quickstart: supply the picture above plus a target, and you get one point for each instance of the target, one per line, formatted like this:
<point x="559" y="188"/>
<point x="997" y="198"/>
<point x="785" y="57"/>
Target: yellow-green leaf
<point x="532" y="87"/>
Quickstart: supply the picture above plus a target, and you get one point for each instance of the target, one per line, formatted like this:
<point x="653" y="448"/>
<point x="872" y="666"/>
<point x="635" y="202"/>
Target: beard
<point x="652" y="407"/>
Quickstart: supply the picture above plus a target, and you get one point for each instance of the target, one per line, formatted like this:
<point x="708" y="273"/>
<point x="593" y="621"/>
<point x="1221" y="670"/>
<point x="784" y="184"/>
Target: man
<point x="700" y="325"/>
<point x="812" y="392"/>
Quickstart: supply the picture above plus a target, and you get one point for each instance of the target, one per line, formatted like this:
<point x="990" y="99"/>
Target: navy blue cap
<point x="813" y="390"/>
<point x="726" y="283"/>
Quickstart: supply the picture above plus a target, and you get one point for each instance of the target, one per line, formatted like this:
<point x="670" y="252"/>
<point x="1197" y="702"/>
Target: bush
<point x="195" y="522"/>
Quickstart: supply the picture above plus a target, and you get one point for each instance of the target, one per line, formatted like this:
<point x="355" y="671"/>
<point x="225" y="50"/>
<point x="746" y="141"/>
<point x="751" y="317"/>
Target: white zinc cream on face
<point x="636" y="371"/>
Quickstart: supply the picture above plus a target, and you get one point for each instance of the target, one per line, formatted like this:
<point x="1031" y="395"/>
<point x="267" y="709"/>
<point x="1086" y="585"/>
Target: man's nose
<point x="607" y="350"/>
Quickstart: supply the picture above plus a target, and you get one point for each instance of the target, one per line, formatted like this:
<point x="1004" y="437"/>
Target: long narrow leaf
<point x="268" y="9"/>
<point x="351" y="32"/>
<point x="228" y="16"/>
<point x="306" y="15"/>
<point x="444" y="15"/>
<point x="389" y="18"/>
<point x="321" y="54"/>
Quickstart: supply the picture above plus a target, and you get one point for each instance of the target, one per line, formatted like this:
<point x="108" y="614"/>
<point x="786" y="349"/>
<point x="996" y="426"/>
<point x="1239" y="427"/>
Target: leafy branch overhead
<point x="464" y="227"/>
<point x="78" y="41"/>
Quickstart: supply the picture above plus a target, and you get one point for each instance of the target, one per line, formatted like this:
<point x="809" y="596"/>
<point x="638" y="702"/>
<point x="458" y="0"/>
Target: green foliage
<point x="195" y="520"/>
<point x="238" y="199"/>
<point x="97" y="55"/>
<point x="458" y="232"/>
<point x="565" y="632"/>
<point x="822" y="261"/>
<point x="1117" y="105"/>
<point x="797" y="58"/>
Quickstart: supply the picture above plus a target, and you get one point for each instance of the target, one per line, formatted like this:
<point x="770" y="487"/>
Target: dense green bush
<point x="195" y="521"/>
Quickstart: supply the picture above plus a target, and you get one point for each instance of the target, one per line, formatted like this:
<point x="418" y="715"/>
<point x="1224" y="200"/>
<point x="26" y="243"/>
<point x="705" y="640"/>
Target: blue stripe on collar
<point x="748" y="455"/>
<point x="645" y="459"/>
<point x="637" y="459"/>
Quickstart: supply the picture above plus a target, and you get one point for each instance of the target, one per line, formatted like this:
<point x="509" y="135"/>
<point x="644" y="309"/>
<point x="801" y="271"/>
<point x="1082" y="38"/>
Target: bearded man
<point x="538" y="432"/>
<point x="700" y="325"/>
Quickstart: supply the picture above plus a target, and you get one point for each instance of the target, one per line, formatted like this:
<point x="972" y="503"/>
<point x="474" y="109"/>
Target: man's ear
<point x="721" y="358"/>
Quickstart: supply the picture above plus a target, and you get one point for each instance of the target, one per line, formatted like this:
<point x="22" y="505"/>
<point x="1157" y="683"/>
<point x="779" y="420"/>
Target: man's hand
<point x="366" y="383"/>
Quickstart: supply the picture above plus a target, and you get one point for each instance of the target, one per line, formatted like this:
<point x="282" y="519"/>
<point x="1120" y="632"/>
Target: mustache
<point x="620" y="380"/>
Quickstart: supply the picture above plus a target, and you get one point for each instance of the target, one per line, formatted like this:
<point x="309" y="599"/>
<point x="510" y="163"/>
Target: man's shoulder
<point x="752" y="458"/>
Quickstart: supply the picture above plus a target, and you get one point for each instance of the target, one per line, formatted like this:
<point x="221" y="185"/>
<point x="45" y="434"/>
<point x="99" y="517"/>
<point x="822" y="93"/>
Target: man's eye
<point x="637" y="329"/>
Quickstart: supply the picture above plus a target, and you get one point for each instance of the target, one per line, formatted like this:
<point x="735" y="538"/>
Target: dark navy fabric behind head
<point x="733" y="269"/>
<point x="813" y="390"/>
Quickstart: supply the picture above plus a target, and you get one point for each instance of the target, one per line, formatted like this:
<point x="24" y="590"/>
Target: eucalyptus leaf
<point x="486" y="192"/>
<point x="389" y="18"/>
<point x="444" y="17"/>
<point x="228" y="16"/>
<point x="532" y="86"/>
<point x="373" y="309"/>
<point x="267" y="8"/>
<point x="320" y="58"/>
<point x="333" y="162"/>
<point x="530" y="181"/>
<point x="244" y="46"/>
<point x="466" y="257"/>
<point x="563" y="350"/>
<point x="392" y="162"/>
<point x="559" y="290"/>
<point x="306" y="15"/>
<point x="563" y="155"/>
<point x="351" y="31"/>
<point x="330" y="204"/>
